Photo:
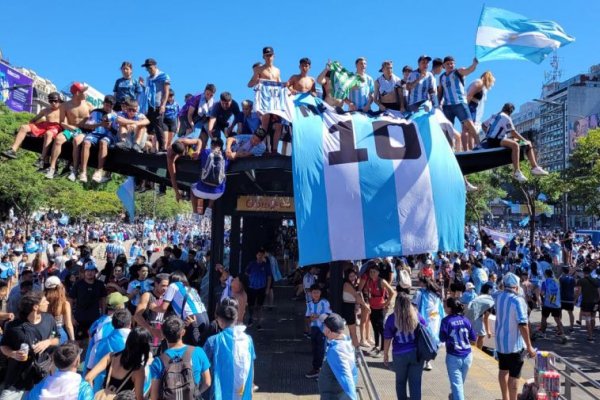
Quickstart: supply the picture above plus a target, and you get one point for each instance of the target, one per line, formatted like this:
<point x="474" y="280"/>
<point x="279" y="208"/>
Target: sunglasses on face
<point x="131" y="110"/>
<point x="53" y="101"/>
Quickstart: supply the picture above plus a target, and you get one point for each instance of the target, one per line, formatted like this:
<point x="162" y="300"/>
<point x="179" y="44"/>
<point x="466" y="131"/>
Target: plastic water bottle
<point x="25" y="348"/>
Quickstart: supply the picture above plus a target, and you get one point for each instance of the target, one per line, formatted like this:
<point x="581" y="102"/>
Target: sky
<point x="197" y="42"/>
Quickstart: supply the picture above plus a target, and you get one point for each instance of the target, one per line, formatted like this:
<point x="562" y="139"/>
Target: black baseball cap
<point x="424" y="57"/>
<point x="55" y="96"/>
<point x="448" y="58"/>
<point x="268" y="50"/>
<point x="335" y="323"/>
<point x="110" y="99"/>
<point x="148" y="62"/>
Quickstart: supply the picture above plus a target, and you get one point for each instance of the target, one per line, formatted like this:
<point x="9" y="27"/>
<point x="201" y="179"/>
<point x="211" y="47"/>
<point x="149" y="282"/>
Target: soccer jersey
<point x="96" y="117"/>
<point x="453" y="86"/>
<point x="322" y="309"/>
<point x="551" y="293"/>
<point x="156" y="88"/>
<point x="126" y="88"/>
<point x="387" y="86"/>
<point x="456" y="331"/>
<point x="511" y="311"/>
<point x="113" y="250"/>
<point x="177" y="294"/>
<point x="171" y="110"/>
<point x="420" y="92"/>
<point x="359" y="95"/>
<point x="499" y="126"/>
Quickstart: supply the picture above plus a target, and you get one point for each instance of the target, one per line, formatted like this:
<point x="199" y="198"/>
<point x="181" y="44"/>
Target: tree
<point x="478" y="201"/>
<point x="551" y="185"/>
<point x="584" y="173"/>
<point x="166" y="206"/>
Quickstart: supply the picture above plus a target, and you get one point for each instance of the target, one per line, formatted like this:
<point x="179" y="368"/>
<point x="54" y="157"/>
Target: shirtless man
<point x="302" y="83"/>
<point x="74" y="113"/>
<point x="269" y="72"/>
<point x="46" y="124"/>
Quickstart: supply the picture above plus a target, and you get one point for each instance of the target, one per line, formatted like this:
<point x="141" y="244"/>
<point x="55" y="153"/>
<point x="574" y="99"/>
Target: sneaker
<point x="428" y="366"/>
<point x="83" y="177"/>
<point x="208" y="213"/>
<point x="98" y="175"/>
<point x="136" y="147"/>
<point x="123" y="145"/>
<point x="50" y="173"/>
<point x="72" y="176"/>
<point x="376" y="353"/>
<point x="312" y="374"/>
<point x="539" y="171"/>
<point x="519" y="176"/>
<point x="39" y="163"/>
<point x="10" y="153"/>
<point x="67" y="169"/>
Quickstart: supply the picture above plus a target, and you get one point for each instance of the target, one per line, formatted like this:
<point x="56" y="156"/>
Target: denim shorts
<point x="459" y="111"/>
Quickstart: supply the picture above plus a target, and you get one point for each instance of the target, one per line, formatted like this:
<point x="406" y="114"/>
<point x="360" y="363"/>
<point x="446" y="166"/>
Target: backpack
<point x="404" y="279"/>
<point x="426" y="347"/>
<point x="178" y="377"/>
<point x="213" y="172"/>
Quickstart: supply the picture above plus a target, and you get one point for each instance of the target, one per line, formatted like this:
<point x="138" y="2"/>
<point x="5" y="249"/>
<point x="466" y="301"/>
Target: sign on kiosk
<point x="16" y="89"/>
<point x="265" y="204"/>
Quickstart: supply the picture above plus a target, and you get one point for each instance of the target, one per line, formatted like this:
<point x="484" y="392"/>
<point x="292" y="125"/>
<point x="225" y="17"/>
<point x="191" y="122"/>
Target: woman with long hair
<point x="457" y="333"/>
<point x="59" y="308"/>
<point x="429" y="304"/>
<point x="381" y="294"/>
<point x="399" y="331"/>
<point x="477" y="95"/>
<point x="350" y="298"/>
<point x="126" y="369"/>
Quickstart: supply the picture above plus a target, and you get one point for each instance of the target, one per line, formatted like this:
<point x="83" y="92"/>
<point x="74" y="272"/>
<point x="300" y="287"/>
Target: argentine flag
<point x="125" y="193"/>
<point x="504" y="35"/>
<point x="368" y="186"/>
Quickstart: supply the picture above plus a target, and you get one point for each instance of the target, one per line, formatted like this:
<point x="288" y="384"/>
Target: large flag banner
<point x="505" y="35"/>
<point x="125" y="193"/>
<point x="497" y="236"/>
<point x="373" y="186"/>
<point x="272" y="97"/>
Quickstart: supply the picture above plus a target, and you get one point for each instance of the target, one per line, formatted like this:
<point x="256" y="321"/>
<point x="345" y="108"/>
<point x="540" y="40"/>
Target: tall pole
<point x="565" y="141"/>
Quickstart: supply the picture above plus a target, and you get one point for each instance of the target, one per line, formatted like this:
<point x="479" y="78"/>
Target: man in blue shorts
<point x="101" y="135"/>
<point x="452" y="92"/>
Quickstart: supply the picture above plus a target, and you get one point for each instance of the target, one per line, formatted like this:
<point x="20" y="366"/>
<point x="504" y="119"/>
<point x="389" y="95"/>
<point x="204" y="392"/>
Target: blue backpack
<point x="426" y="346"/>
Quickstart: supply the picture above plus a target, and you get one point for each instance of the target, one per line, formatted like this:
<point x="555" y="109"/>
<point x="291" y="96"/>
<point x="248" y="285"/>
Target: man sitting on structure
<point x="46" y="124"/>
<point x="245" y="142"/>
<point x="131" y="126"/>
<point x="101" y="135"/>
<point x="211" y="184"/>
<point x="501" y="132"/>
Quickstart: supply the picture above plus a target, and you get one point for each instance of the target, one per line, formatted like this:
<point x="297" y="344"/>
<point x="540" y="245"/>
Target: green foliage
<point x="584" y="173"/>
<point x="166" y="205"/>
<point x="478" y="201"/>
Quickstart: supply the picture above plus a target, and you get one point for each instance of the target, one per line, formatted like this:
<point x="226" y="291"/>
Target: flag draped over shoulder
<point x="504" y="35"/>
<point x="125" y="193"/>
<point x="342" y="80"/>
<point x="368" y="186"/>
<point x="272" y="97"/>
<point x="341" y="360"/>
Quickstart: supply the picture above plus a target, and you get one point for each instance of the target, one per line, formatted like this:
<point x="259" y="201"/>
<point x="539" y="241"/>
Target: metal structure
<point x="575" y="378"/>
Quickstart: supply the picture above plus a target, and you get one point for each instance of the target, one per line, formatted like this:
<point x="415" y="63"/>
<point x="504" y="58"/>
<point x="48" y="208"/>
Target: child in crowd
<point x="317" y="310"/>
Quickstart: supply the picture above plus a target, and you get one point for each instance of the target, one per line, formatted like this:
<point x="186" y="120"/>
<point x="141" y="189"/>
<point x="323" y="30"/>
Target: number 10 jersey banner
<point x="373" y="186"/>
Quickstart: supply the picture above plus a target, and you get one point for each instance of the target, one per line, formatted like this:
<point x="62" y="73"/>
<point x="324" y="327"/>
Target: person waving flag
<point x="504" y="35"/>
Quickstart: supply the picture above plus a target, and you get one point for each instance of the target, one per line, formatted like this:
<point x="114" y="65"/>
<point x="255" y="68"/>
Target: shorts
<point x="493" y="143"/>
<point x="70" y="134"/>
<point x="95" y="139"/>
<point x="204" y="195"/>
<point x="510" y="362"/>
<point x="41" y="128"/>
<point x="554" y="312"/>
<point x="256" y="296"/>
<point x="349" y="313"/>
<point x="460" y="111"/>
<point x="567" y="306"/>
<point x="589" y="307"/>
<point x="82" y="330"/>
<point x="479" y="328"/>
<point x="170" y="124"/>
<point x="391" y="106"/>
<point x="157" y="125"/>
<point x="473" y="110"/>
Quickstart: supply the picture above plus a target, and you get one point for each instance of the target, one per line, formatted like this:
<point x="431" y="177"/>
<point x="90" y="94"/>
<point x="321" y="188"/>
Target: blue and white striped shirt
<point x="422" y="89"/>
<point x="499" y="126"/>
<point x="511" y="311"/>
<point x="453" y="86"/>
<point x="114" y="249"/>
<point x="176" y="293"/>
<point x="360" y="94"/>
<point x="322" y="309"/>
<point x="156" y="88"/>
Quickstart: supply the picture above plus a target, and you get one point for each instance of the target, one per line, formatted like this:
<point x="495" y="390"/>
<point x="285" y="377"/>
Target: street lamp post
<point x="563" y="107"/>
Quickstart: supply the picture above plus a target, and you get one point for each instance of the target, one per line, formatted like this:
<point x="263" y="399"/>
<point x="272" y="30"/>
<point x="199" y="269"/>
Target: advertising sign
<point x="16" y="89"/>
<point x="265" y="204"/>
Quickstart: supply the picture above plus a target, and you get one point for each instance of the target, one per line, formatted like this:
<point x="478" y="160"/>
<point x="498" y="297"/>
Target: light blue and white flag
<point x="504" y="35"/>
<point x="369" y="186"/>
<point x="125" y="192"/>
<point x="524" y="221"/>
<point x="273" y="98"/>
<point x="342" y="361"/>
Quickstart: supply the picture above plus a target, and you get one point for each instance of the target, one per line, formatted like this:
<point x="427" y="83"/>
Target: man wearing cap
<point x="88" y="298"/>
<point x="387" y="88"/>
<point x="159" y="84"/>
<point x="421" y="85"/>
<point x="512" y="335"/>
<point x="244" y="142"/>
<point x="269" y="72"/>
<point x="339" y="374"/>
<point x="360" y="96"/>
<point x="452" y="92"/>
<point x="73" y="114"/>
<point x="46" y="123"/>
<point x="101" y="135"/>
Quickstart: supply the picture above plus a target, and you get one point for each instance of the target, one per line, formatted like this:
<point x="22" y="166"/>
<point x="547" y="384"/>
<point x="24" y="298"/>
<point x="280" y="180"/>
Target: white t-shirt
<point x="499" y="126"/>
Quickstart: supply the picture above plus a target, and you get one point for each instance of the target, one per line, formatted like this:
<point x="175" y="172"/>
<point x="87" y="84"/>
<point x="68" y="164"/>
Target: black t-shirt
<point x="178" y="265"/>
<point x="385" y="271"/>
<point x="589" y="289"/>
<point x="18" y="332"/>
<point x="88" y="298"/>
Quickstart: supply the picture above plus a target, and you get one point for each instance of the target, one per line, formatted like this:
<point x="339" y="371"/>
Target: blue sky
<point x="197" y="42"/>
